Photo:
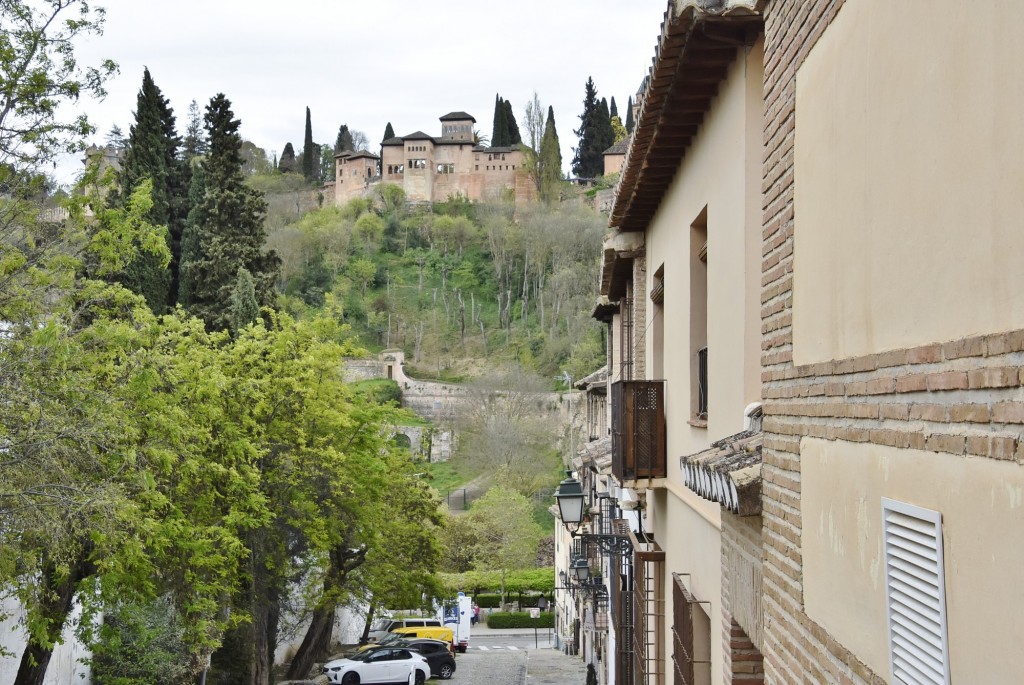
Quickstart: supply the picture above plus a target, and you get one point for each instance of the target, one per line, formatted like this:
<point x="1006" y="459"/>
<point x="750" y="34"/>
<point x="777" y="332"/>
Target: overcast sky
<point x="370" y="62"/>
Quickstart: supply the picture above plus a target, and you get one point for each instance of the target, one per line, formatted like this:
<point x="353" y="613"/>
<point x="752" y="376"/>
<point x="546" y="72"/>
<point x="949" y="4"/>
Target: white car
<point x="397" y="665"/>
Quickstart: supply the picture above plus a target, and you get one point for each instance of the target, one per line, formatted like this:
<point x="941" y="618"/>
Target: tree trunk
<point x="314" y="645"/>
<point x="365" y="637"/>
<point x="55" y="605"/>
<point x="343" y="559"/>
<point x="265" y="618"/>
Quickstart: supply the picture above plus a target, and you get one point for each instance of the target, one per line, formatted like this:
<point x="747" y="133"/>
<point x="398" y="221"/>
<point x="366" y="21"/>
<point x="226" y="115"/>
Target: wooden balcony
<point x="638" y="430"/>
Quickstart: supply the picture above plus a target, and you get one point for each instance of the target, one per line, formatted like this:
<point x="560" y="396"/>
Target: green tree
<point x="190" y="251"/>
<point x="388" y="132"/>
<point x="228" y="225"/>
<point x="619" y="132"/>
<point x="629" y="116"/>
<point x="606" y="134"/>
<point x="513" y="137"/>
<point x="38" y="72"/>
<point x="588" y="161"/>
<point x="244" y="308"/>
<point x="309" y="165"/>
<point x="343" y="143"/>
<point x="153" y="153"/>
<point x="326" y="163"/>
<point x="195" y="144"/>
<point x="499" y="131"/>
<point x="506" y="534"/>
<point x="287" y="163"/>
<point x="613" y="111"/>
<point x="550" y="165"/>
<point x="115" y="137"/>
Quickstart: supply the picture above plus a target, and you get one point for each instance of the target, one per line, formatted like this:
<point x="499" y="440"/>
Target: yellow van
<point x="434" y="633"/>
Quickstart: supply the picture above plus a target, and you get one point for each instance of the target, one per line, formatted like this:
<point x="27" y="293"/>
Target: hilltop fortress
<point x="432" y="169"/>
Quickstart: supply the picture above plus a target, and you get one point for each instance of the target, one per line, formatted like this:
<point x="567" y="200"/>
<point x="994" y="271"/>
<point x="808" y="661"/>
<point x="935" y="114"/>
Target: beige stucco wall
<point x="907" y="168"/>
<point x="722" y="171"/>
<point x="982" y="507"/>
<point x="613" y="163"/>
<point x="692" y="543"/>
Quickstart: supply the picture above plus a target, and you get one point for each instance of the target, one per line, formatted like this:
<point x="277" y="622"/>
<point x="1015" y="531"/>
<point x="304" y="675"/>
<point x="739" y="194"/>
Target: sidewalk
<point x="552" y="667"/>
<point x="481" y="629"/>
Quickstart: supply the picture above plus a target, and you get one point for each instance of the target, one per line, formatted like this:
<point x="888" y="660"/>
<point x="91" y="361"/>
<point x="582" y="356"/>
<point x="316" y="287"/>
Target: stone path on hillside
<point x="474" y="489"/>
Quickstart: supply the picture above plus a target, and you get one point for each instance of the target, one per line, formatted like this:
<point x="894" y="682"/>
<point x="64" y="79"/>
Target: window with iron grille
<point x="649" y="616"/>
<point x="691" y="637"/>
<point x="702" y="383"/>
<point x="915" y="594"/>
<point x="626" y="339"/>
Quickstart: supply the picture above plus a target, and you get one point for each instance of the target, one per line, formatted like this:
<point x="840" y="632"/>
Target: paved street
<point x="518" y="667"/>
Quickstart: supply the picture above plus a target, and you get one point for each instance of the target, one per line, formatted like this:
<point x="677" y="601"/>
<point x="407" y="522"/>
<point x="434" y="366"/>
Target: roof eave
<point x="697" y="46"/>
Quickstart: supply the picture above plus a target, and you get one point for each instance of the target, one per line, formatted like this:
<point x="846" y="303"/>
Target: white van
<point x="457" y="614"/>
<point x="383" y="626"/>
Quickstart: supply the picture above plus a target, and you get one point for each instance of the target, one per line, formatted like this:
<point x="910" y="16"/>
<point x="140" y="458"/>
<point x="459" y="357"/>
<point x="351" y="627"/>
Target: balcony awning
<point x="597" y="454"/>
<point x="728" y="472"/>
<point x="595" y="381"/>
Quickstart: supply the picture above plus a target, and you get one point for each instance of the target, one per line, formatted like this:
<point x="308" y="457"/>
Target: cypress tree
<point x="244" y="307"/>
<point x="588" y="162"/>
<point x="195" y="144"/>
<point x="512" y="128"/>
<point x="287" y="163"/>
<point x="190" y="239"/>
<point x="613" y="111"/>
<point x="550" y="160"/>
<point x="499" y="131"/>
<point x="229" y="232"/>
<point x="388" y="132"/>
<point x="152" y="153"/>
<point x="629" y="116"/>
<point x="344" y="142"/>
<point x="308" y="167"/>
<point x="606" y="134"/>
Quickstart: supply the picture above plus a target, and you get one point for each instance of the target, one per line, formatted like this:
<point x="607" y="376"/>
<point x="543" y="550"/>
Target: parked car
<point x="438" y="653"/>
<point x="442" y="634"/>
<point x="386" y="625"/>
<point x="384" y="665"/>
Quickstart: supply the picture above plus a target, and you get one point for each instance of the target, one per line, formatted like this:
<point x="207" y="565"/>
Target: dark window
<point x="702" y="383"/>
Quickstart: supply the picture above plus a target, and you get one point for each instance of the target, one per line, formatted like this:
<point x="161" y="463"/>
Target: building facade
<point x="434" y="169"/>
<point x="816" y="350"/>
<point x="354" y="172"/>
<point x="893" y="342"/>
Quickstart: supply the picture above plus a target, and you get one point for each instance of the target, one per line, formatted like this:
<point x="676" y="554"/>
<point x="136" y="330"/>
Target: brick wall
<point x="960" y="397"/>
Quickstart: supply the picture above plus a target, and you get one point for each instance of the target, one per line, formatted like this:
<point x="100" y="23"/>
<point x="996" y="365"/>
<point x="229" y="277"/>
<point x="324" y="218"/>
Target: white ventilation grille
<point x="915" y="594"/>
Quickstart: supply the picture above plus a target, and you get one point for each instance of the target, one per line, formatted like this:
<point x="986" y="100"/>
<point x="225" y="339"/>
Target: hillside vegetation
<point x="459" y="286"/>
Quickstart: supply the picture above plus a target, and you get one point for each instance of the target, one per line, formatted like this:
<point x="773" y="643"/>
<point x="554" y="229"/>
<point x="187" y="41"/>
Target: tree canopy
<point x="595" y="135"/>
<point x="227" y="227"/>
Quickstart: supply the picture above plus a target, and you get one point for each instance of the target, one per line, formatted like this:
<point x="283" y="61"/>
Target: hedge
<point x="520" y="619"/>
<point x="516" y="582"/>
<point x="487" y="601"/>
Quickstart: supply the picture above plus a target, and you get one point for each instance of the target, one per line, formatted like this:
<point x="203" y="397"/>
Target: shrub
<point x="487" y="601"/>
<point x="519" y="619"/>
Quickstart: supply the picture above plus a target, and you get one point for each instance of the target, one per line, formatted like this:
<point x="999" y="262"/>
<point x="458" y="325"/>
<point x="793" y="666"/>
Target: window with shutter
<point x="915" y="594"/>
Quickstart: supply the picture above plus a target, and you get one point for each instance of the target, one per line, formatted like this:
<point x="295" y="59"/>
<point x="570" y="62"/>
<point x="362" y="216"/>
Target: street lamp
<point x="569" y="496"/>
<point x="581" y="569"/>
<point x="571" y="504"/>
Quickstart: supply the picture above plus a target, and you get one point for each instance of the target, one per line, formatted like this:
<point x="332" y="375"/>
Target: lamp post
<point x="571" y="504"/>
<point x="569" y="496"/>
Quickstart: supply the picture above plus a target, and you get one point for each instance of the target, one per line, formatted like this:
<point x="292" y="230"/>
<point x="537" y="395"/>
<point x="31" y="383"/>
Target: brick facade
<point x="960" y="397"/>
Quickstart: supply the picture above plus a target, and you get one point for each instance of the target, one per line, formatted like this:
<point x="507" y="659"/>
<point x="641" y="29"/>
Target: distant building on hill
<point x="432" y="169"/>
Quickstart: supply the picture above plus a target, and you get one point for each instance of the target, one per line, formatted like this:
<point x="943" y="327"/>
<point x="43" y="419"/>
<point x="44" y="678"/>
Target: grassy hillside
<point x="459" y="286"/>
